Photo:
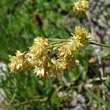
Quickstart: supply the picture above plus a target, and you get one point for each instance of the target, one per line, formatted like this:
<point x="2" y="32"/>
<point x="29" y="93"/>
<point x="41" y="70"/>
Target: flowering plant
<point x="40" y="54"/>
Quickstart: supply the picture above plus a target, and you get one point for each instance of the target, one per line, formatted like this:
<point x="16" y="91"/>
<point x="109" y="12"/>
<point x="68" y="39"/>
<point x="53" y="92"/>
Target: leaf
<point x="39" y="87"/>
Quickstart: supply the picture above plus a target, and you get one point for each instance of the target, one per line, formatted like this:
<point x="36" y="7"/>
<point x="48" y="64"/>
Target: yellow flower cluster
<point x="82" y="35"/>
<point x="80" y="5"/>
<point x="42" y="67"/>
<point x="39" y="55"/>
<point x="66" y="52"/>
<point x="19" y="62"/>
<point x="39" y="49"/>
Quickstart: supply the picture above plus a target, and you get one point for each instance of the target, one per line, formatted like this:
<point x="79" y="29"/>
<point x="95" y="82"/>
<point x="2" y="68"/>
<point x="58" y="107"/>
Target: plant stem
<point x="99" y="44"/>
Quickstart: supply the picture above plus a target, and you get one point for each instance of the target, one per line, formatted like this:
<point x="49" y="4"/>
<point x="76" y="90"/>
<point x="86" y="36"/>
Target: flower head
<point x="80" y="5"/>
<point x="42" y="67"/>
<point x="67" y="51"/>
<point x="19" y="62"/>
<point x="39" y="49"/>
<point x="70" y="48"/>
<point x="56" y="66"/>
<point x="82" y="35"/>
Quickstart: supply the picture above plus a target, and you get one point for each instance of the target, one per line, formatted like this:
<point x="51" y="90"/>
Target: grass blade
<point x="98" y="98"/>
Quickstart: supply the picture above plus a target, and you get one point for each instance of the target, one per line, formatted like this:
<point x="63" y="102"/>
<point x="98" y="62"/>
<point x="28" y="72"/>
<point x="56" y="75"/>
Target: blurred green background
<point x="23" y="20"/>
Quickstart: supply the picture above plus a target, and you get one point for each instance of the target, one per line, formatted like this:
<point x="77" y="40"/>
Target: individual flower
<point x="80" y="5"/>
<point x="19" y="62"/>
<point x="39" y="71"/>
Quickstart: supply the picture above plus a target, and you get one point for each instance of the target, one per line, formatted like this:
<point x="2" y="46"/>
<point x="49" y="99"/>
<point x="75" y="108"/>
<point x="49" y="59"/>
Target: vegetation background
<point x="85" y="88"/>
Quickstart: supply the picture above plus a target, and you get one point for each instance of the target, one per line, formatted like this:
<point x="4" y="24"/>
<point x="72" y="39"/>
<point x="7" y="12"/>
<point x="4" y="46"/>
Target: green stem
<point x="99" y="44"/>
<point x="58" y="42"/>
<point x="55" y="39"/>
